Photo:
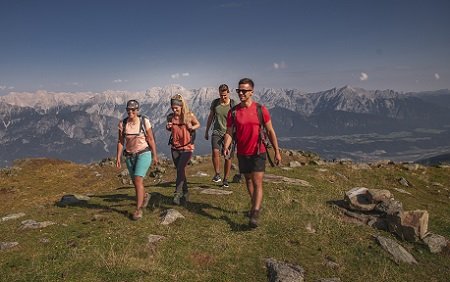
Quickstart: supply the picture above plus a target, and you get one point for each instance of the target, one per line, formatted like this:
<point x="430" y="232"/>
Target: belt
<point x="128" y="154"/>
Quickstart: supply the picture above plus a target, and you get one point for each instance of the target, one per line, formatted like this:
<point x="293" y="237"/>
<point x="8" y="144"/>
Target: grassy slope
<point x="213" y="242"/>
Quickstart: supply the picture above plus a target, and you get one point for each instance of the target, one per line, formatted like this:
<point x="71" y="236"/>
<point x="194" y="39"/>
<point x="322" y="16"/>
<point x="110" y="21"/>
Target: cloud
<point x="363" y="76"/>
<point x="437" y="76"/>
<point x="280" y="65"/>
<point x="4" y="87"/>
<point x="119" y="80"/>
<point x="178" y="75"/>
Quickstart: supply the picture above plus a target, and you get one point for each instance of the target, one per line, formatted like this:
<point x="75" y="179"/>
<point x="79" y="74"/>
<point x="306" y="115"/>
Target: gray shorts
<point x="217" y="142"/>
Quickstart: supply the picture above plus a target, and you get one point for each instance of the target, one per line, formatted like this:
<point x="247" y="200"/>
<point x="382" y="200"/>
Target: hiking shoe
<point x="216" y="178"/>
<point x="177" y="200"/>
<point x="237" y="178"/>
<point x="146" y="200"/>
<point x="225" y="184"/>
<point x="137" y="214"/>
<point x="254" y="218"/>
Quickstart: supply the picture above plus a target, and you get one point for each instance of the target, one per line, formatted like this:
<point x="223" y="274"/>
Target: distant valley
<point x="344" y="122"/>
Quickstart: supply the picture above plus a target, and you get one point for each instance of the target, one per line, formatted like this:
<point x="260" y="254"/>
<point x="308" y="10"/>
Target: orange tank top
<point x="181" y="137"/>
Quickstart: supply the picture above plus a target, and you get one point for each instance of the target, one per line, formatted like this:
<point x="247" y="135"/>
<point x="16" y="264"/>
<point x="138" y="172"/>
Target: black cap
<point x="132" y="104"/>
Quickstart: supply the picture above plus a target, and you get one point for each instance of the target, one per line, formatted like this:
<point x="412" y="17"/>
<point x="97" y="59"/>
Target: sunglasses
<point x="132" y="109"/>
<point x="244" y="91"/>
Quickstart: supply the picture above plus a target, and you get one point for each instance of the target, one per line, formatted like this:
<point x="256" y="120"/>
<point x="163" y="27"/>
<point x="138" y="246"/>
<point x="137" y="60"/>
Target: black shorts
<point x="255" y="163"/>
<point x="217" y="142"/>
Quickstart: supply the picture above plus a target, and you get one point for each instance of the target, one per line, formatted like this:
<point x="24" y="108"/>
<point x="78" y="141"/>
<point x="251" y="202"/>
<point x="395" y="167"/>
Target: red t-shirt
<point x="247" y="128"/>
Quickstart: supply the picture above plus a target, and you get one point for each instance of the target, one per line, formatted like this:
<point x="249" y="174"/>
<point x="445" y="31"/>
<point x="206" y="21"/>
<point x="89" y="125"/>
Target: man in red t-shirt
<point x="251" y="152"/>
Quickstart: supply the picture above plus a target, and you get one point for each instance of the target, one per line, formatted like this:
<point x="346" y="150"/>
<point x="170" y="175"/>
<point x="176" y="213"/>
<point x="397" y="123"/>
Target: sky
<point x="134" y="45"/>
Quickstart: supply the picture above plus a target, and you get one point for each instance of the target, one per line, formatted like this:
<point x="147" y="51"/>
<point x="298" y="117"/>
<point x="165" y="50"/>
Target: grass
<point x="98" y="242"/>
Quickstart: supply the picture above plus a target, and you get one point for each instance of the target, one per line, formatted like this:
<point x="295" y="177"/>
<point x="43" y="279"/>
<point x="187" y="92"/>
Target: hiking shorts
<point x="138" y="165"/>
<point x="249" y="164"/>
<point x="217" y="142"/>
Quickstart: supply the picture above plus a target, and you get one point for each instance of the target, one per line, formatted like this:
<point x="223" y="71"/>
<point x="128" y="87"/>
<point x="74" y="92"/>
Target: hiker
<point x="182" y="124"/>
<point x="218" y="117"/>
<point x="245" y="122"/>
<point x="135" y="131"/>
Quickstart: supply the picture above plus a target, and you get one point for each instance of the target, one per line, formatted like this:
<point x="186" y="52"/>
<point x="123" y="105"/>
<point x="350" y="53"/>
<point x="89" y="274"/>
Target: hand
<point x="169" y="125"/>
<point x="277" y="158"/>
<point x="226" y="152"/>
<point x="155" y="160"/>
<point x="118" y="164"/>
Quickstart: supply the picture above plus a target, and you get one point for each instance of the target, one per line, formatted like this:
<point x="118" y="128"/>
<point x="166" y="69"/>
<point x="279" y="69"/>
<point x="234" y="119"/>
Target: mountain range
<point x="344" y="122"/>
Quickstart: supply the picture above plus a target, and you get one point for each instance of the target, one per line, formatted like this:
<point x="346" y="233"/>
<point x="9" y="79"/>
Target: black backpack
<point x="192" y="133"/>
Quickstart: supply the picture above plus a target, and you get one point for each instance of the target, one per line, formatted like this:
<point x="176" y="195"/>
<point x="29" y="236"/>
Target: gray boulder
<point x="283" y="271"/>
<point x="7" y="245"/>
<point x="12" y="216"/>
<point x="398" y="253"/>
<point x="169" y="216"/>
<point x="436" y="243"/>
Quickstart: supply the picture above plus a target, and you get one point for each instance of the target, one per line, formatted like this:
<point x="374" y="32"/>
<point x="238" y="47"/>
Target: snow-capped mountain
<point x="83" y="126"/>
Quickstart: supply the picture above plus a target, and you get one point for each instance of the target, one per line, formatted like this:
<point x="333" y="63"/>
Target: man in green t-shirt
<point x="218" y="117"/>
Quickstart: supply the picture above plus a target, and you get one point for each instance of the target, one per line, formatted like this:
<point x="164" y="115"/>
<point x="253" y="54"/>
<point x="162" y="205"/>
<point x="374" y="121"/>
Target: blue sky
<point x="134" y="45"/>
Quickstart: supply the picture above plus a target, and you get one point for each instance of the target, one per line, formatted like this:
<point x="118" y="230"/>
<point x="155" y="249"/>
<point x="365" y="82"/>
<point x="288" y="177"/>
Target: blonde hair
<point x="186" y="114"/>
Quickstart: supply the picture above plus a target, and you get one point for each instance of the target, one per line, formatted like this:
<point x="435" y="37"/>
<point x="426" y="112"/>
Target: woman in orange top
<point x="182" y="124"/>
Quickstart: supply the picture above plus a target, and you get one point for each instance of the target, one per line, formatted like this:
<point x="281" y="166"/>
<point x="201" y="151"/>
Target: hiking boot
<point x="137" y="214"/>
<point x="146" y="200"/>
<point x="177" y="199"/>
<point x="254" y="218"/>
<point x="225" y="184"/>
<point x="185" y="198"/>
<point x="237" y="178"/>
<point x="216" y="178"/>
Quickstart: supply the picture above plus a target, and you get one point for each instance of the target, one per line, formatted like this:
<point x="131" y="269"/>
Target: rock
<point x="153" y="239"/>
<point x="380" y="195"/>
<point x="360" y="166"/>
<point x="409" y="225"/>
<point x="295" y="164"/>
<point x="436" y="243"/>
<point x="411" y="166"/>
<point x="216" y="192"/>
<point x="342" y="176"/>
<point x="124" y="173"/>
<point x="282" y="179"/>
<point x="158" y="171"/>
<point x="345" y="161"/>
<point x="201" y="174"/>
<point x="7" y="245"/>
<point x="73" y="199"/>
<point x="234" y="167"/>
<point x="33" y="224"/>
<point x="389" y="207"/>
<point x="359" y="198"/>
<point x="193" y="162"/>
<point x="333" y="279"/>
<point x="169" y="216"/>
<point x="322" y="169"/>
<point x="398" y="253"/>
<point x="12" y="216"/>
<point x="99" y="217"/>
<point x="44" y="240"/>
<point x="404" y="182"/>
<point x="310" y="229"/>
<point x="402" y="191"/>
<point x="329" y="262"/>
<point x="283" y="271"/>
<point x="287" y="168"/>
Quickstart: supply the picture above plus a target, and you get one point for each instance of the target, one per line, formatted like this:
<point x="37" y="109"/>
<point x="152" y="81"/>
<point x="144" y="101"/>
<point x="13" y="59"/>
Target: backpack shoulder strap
<point x="143" y="126"/>
<point x="124" y="126"/>
<point x="215" y="103"/>
<point x="232" y="103"/>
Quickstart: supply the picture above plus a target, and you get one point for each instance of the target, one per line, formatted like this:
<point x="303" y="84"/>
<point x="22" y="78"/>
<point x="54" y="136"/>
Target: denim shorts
<point x="139" y="165"/>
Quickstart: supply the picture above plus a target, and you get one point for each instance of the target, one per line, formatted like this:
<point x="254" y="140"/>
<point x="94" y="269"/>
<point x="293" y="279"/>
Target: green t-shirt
<point x="221" y="112"/>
